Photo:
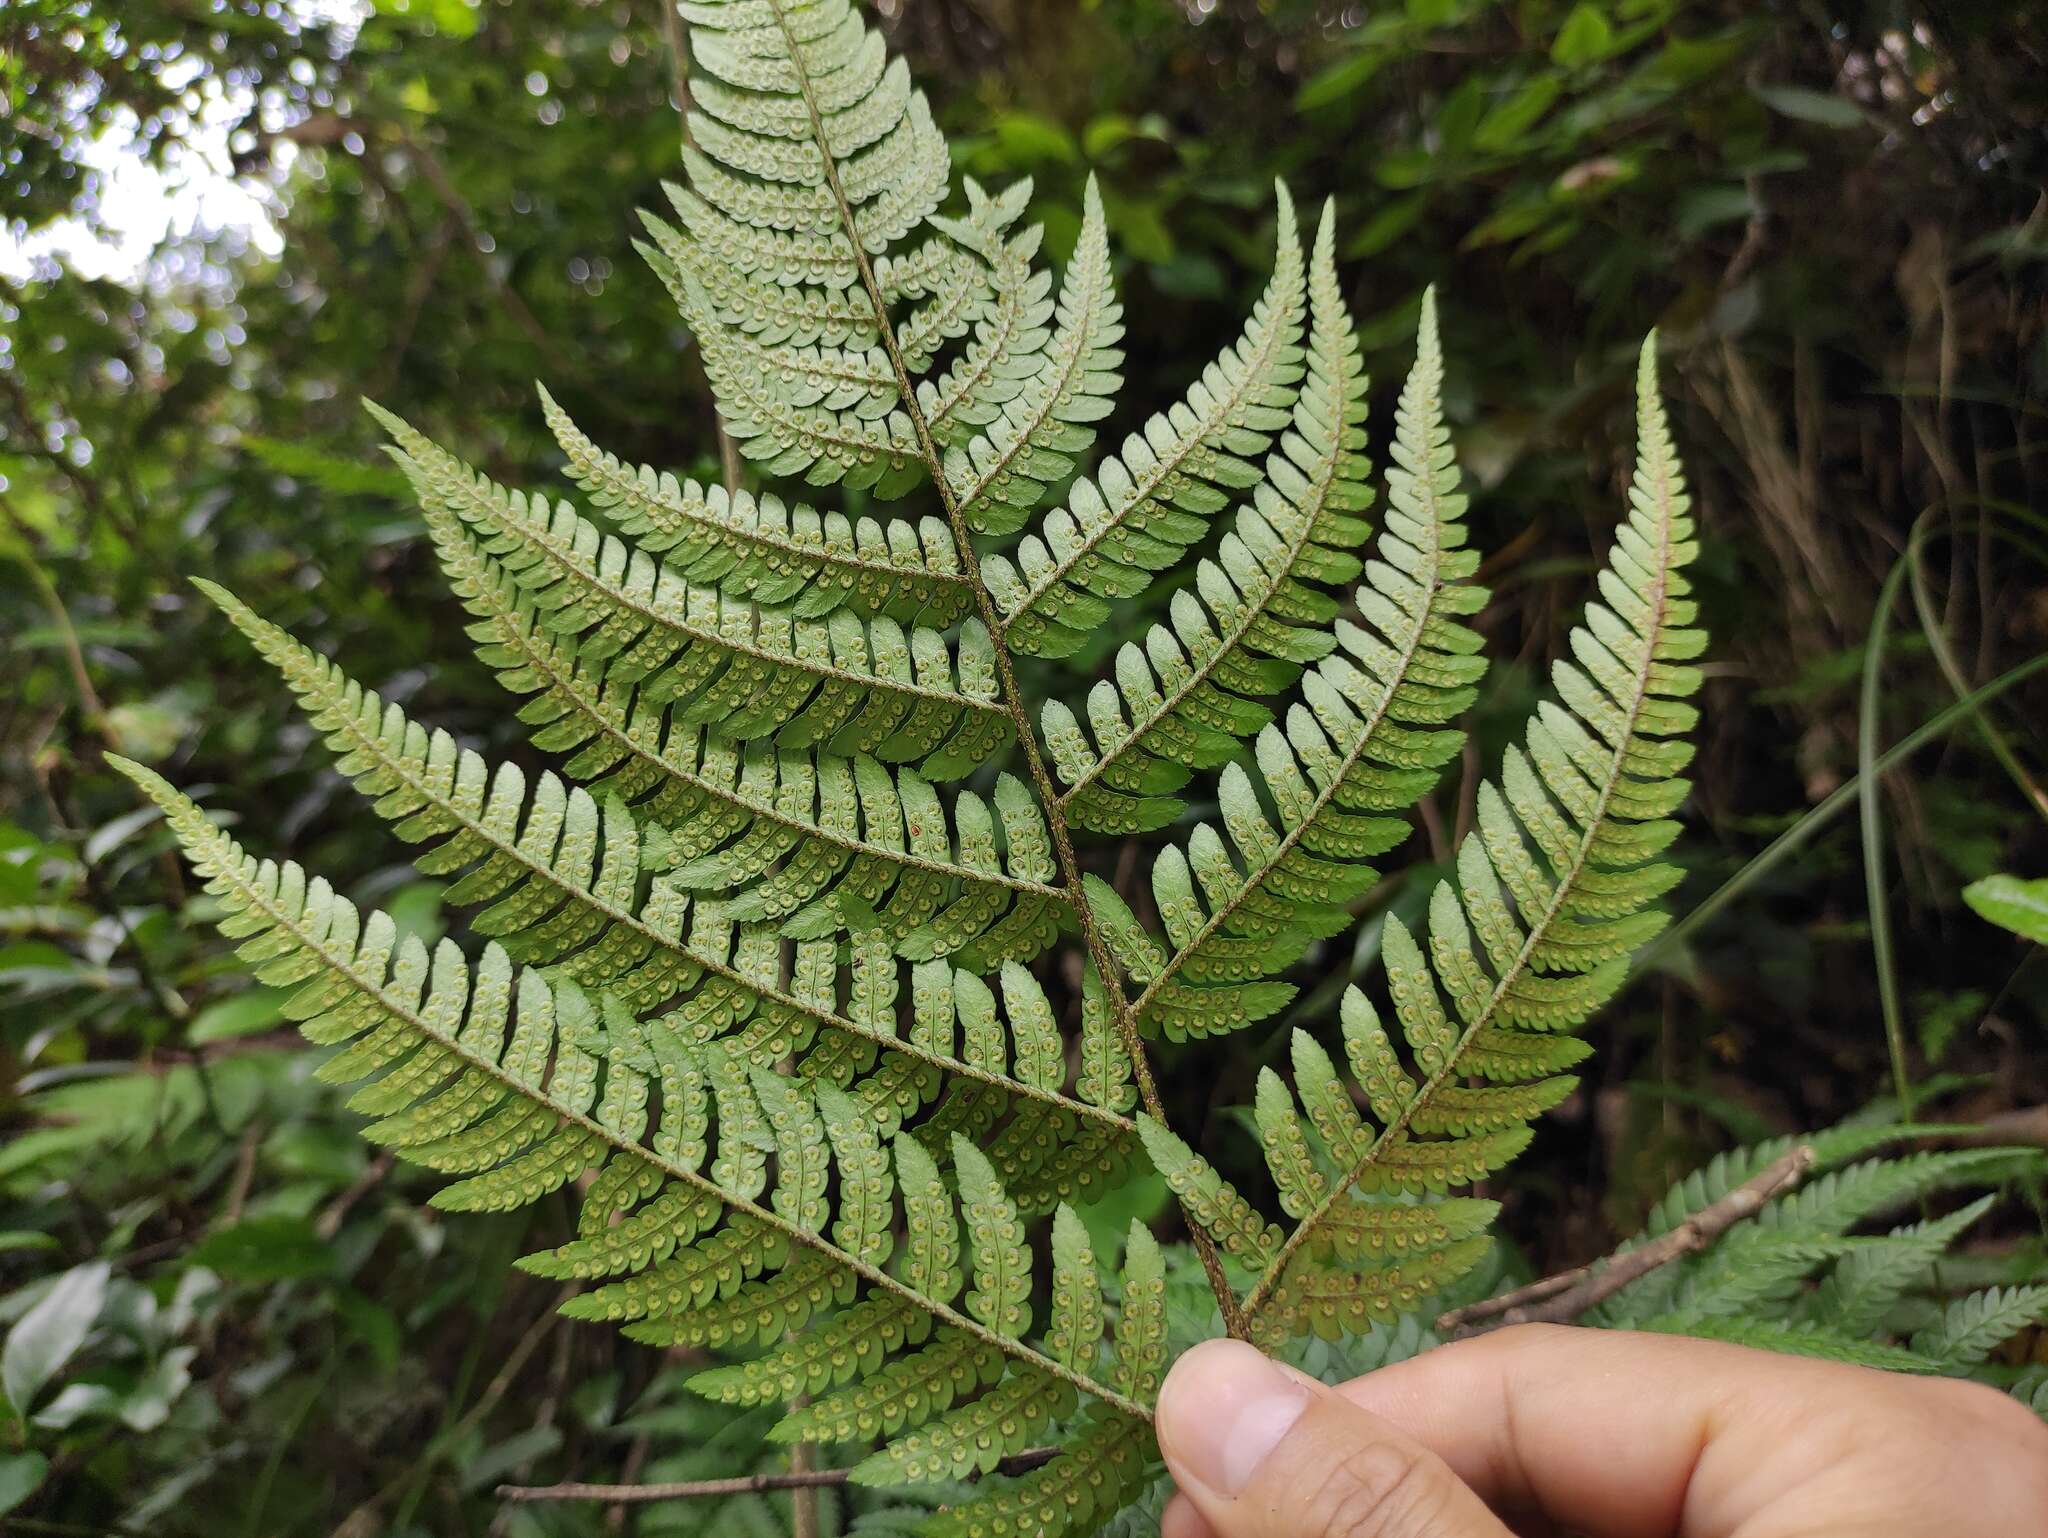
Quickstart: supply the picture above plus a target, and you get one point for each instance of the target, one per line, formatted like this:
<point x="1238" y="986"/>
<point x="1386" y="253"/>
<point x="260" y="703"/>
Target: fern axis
<point x="1013" y="699"/>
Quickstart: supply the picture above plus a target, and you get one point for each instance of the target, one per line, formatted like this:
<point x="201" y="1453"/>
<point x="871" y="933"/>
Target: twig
<point x="636" y="1459"/>
<point x="2027" y="1127"/>
<point x="60" y="616"/>
<point x="746" y="1484"/>
<point x="372" y="1176"/>
<point x="1563" y="1298"/>
<point x="245" y="1171"/>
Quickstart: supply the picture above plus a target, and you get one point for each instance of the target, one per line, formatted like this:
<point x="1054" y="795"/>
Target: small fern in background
<point x="1849" y="1266"/>
<point x="802" y="966"/>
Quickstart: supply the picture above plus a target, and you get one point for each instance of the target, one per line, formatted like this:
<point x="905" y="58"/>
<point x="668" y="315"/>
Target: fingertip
<point x="1183" y="1520"/>
<point x="1223" y="1408"/>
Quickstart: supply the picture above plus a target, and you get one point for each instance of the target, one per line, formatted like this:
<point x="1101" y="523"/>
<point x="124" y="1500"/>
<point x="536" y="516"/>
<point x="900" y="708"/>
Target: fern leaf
<point x="1860" y="1292"/>
<point x="1971" y="1328"/>
<point x="784" y="430"/>
<point x="743" y="1252"/>
<point x="1006" y="348"/>
<point x="1367" y="741"/>
<point x="1252" y="619"/>
<point x="1141" y="509"/>
<point x="562" y="881"/>
<point x="1552" y="895"/>
<point x="757" y="547"/>
<point x="795" y="98"/>
<point x="798" y="840"/>
<point x="1102" y="1467"/>
<point x="815" y="158"/>
<point x="840" y="683"/>
<point x="1796" y="1340"/>
<point x="1000" y="475"/>
<point x="1795" y="1236"/>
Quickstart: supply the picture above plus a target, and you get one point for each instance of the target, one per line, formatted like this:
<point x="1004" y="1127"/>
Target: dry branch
<point x="1563" y="1298"/>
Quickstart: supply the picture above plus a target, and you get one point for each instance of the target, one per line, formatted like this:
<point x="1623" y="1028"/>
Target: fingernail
<point x="1222" y="1409"/>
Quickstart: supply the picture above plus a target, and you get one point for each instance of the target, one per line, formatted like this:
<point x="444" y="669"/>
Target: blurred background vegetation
<point x="1833" y="210"/>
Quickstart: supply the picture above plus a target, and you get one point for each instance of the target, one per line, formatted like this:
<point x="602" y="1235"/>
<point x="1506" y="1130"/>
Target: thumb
<point x="1261" y="1451"/>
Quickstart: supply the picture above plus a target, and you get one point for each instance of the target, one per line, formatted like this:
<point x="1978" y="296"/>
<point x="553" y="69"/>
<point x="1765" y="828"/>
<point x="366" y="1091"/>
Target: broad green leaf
<point x="2014" y="903"/>
<point x="1810" y="106"/>
<point x="45" y="1337"/>
<point x="21" y="1474"/>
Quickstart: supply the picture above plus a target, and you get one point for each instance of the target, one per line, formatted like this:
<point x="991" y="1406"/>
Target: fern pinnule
<point x="1556" y="879"/>
<point x="1255" y="615"/>
<point x="1141" y="508"/>
<point x="856" y="686"/>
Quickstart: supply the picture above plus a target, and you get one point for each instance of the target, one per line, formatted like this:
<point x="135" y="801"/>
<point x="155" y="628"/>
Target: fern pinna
<point x="773" y="969"/>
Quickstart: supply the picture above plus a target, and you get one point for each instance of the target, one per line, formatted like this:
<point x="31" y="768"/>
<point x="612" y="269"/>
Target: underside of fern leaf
<point x="1554" y="892"/>
<point x="791" y="965"/>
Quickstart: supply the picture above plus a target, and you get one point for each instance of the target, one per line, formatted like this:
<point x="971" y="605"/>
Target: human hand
<point x="1542" y="1429"/>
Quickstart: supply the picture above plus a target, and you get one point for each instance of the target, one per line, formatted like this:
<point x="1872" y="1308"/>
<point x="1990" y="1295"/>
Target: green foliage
<point x="1805" y="1274"/>
<point x="454" y="201"/>
<point x="2012" y="903"/>
<point x="694" y="1009"/>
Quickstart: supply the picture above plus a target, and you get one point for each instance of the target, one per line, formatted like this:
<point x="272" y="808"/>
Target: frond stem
<point x="1013" y="699"/>
<point x="744" y="1484"/>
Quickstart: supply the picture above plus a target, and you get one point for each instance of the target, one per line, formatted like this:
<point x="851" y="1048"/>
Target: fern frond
<point x="1861" y="1291"/>
<point x="1798" y="1277"/>
<point x="839" y="683"/>
<point x="1553" y="893"/>
<point x="1973" y="1328"/>
<point x="817" y="844"/>
<point x="1368" y="740"/>
<point x="799" y="103"/>
<point x="760" y="548"/>
<point x="1769" y="1259"/>
<point x="523" y="1101"/>
<point x="1252" y="620"/>
<point x="814" y="157"/>
<point x="1000" y="475"/>
<point x="1139" y="510"/>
